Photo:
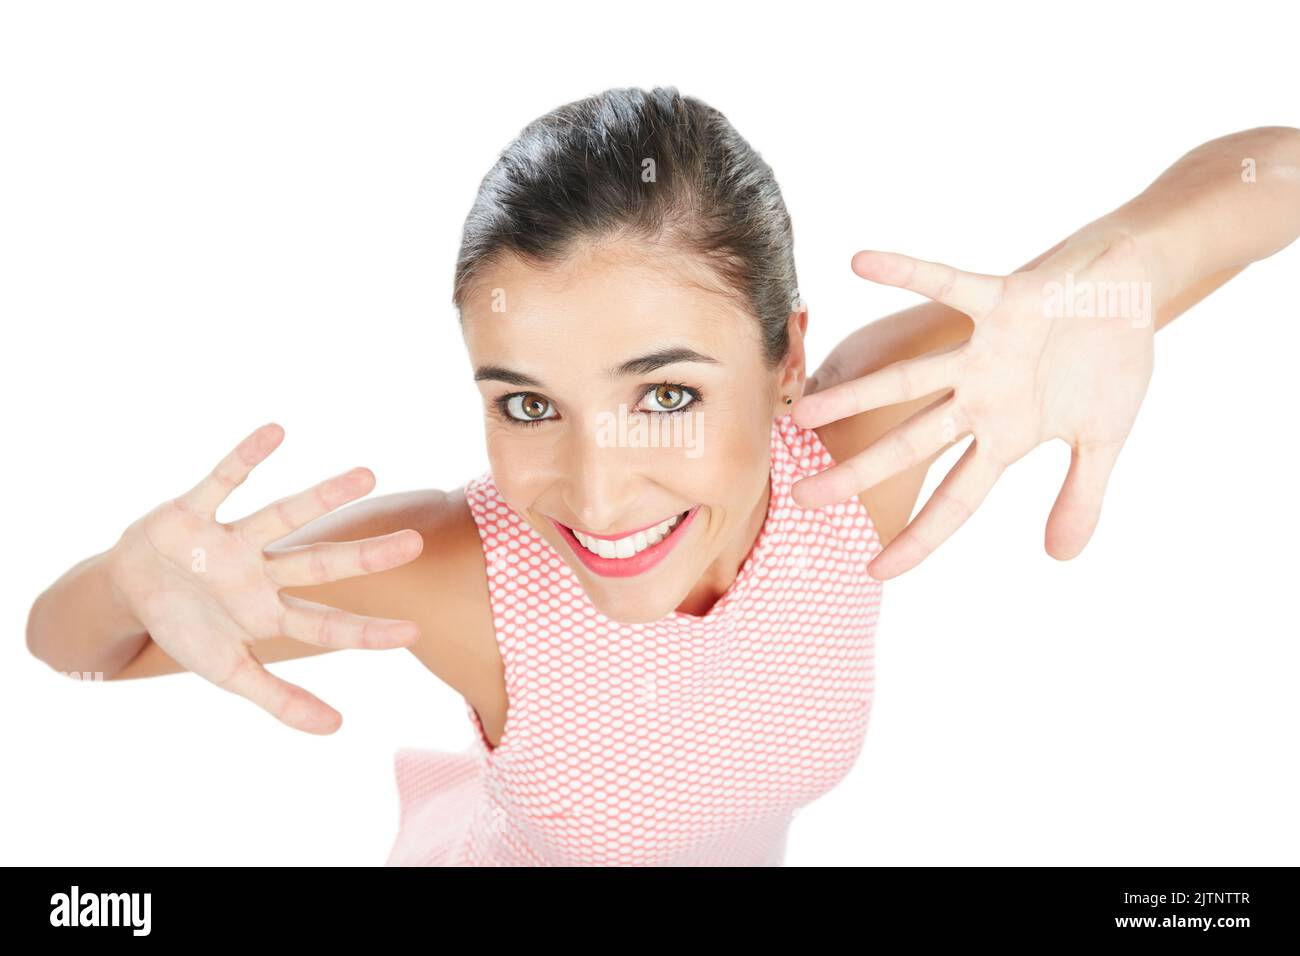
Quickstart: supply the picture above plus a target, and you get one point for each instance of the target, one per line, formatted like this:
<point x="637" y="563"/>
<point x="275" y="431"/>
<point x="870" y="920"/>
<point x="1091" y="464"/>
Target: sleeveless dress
<point x="685" y="741"/>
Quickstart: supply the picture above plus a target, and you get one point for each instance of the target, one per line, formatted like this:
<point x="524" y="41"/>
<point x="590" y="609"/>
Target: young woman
<point x="661" y="622"/>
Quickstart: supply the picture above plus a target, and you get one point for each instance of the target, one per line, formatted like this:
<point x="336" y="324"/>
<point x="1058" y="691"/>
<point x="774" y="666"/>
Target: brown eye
<point x="669" y="398"/>
<point x="528" y="407"/>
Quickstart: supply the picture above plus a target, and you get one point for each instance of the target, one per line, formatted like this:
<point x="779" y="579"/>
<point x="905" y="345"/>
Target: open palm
<point x="207" y="591"/>
<point x="1064" y="350"/>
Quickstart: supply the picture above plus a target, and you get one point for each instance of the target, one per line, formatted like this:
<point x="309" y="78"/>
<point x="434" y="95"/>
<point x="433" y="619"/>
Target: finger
<point x="962" y="490"/>
<point x="1078" y="506"/>
<point x="970" y="292"/>
<point x="900" y="382"/>
<point x="827" y="374"/>
<point x="902" y="447"/>
<point x="329" y="627"/>
<point x="335" y="560"/>
<point x="287" y="702"/>
<point x="289" y="514"/>
<point x="205" y="497"/>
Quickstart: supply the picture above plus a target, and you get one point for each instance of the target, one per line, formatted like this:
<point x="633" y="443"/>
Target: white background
<point x="217" y="215"/>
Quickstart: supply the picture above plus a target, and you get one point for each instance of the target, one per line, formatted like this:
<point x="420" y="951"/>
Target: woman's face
<point x="620" y="394"/>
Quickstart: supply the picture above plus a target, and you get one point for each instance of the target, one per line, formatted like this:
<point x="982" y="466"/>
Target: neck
<point x="720" y="575"/>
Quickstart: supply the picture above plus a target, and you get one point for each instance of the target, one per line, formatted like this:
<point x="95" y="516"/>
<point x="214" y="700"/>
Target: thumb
<point x="1078" y="506"/>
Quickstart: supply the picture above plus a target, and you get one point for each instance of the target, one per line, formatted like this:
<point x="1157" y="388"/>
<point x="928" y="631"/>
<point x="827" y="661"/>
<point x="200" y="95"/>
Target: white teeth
<point x="632" y="544"/>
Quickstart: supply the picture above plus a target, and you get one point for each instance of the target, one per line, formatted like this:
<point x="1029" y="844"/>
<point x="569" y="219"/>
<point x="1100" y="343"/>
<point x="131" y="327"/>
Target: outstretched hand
<point x="1064" y="350"/>
<point x="207" y="591"/>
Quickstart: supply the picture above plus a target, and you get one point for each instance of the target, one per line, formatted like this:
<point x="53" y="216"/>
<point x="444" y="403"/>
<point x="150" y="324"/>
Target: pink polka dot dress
<point x="686" y="741"/>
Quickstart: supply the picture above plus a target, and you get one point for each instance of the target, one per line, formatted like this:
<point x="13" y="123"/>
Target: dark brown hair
<point x="651" y="164"/>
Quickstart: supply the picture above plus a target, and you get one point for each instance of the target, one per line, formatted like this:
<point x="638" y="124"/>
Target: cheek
<point x="514" y="444"/>
<point x="733" y="468"/>
<point x="708" y="480"/>
<point x="521" y="462"/>
<point x="722" y="463"/>
<point x="728" y="471"/>
<point x="737" y="449"/>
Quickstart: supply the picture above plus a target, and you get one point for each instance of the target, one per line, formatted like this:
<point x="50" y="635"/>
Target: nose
<point x="602" y="482"/>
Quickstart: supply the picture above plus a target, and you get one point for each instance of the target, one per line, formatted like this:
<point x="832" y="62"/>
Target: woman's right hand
<point x="207" y="591"/>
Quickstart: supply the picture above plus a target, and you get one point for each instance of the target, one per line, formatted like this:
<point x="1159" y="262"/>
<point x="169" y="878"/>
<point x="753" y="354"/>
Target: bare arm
<point x="206" y="592"/>
<point x="81" y="624"/>
<point x="444" y="591"/>
<point x="1198" y="225"/>
<point x="908" y="334"/>
<point x="380" y="594"/>
<point x="1223" y="205"/>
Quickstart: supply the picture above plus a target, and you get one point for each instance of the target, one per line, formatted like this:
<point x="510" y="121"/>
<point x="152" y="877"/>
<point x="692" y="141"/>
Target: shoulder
<point x="450" y="591"/>
<point x="444" y="590"/>
<point x="451" y="553"/>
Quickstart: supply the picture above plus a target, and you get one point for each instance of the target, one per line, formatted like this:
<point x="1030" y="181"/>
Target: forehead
<point x="604" y="301"/>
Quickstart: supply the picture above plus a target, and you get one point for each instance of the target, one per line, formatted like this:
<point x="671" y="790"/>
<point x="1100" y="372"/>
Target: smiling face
<point x="656" y="504"/>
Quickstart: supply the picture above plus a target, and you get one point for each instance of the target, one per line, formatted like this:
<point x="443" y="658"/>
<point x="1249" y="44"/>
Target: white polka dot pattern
<point x="686" y="741"/>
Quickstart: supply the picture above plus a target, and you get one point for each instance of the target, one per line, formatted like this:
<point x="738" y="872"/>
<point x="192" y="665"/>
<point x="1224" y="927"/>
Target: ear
<point x="794" y="370"/>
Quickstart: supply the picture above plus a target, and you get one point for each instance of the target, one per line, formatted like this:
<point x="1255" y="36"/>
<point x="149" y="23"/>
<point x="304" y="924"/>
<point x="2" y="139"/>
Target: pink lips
<point x="626" y="567"/>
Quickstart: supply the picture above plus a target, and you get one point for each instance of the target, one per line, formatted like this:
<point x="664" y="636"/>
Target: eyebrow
<point x="640" y="365"/>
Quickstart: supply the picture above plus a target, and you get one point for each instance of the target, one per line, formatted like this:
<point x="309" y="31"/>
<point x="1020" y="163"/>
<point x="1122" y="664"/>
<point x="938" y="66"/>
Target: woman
<point x="661" y="622"/>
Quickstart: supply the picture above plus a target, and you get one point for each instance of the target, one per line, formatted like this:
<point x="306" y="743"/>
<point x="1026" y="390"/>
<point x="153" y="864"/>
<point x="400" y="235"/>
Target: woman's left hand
<point x="1063" y="351"/>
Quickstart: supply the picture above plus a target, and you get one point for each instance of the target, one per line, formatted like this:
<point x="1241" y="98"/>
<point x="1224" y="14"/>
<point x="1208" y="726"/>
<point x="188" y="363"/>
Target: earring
<point x="789" y="400"/>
